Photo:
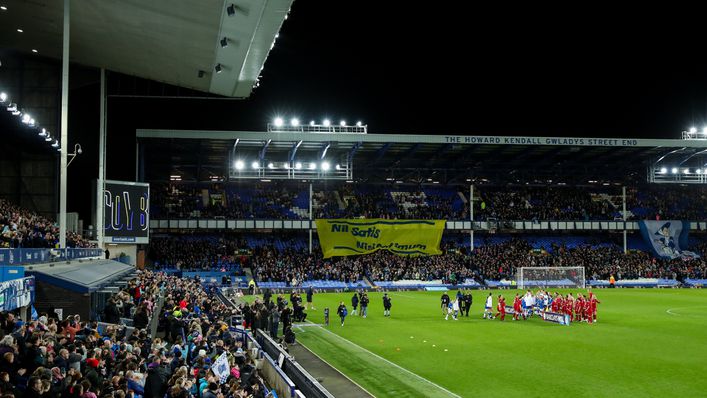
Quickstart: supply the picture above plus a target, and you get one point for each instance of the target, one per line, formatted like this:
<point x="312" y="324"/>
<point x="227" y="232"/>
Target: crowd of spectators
<point x="21" y="228"/>
<point x="278" y="200"/>
<point x="487" y="262"/>
<point x="195" y="253"/>
<point x="53" y="358"/>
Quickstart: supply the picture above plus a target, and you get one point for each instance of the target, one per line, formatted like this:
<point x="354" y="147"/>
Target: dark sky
<point x="450" y="68"/>
<point x="442" y="68"/>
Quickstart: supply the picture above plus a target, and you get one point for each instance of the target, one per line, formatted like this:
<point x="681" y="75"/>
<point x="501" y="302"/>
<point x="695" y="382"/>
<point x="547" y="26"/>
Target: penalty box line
<point x="392" y="363"/>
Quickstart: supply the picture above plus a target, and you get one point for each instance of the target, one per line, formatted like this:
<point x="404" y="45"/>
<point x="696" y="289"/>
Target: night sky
<point x="439" y="68"/>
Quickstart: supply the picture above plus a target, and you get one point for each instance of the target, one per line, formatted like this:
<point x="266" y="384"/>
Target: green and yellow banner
<point x="350" y="237"/>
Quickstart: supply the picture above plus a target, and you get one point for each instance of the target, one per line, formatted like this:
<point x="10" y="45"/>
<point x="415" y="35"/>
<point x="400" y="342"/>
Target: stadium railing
<point x="304" y="381"/>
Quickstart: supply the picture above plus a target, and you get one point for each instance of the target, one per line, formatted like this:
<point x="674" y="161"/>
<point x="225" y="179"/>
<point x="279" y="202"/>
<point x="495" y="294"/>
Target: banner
<point x="16" y="293"/>
<point x="562" y="319"/>
<point x="667" y="238"/>
<point x="221" y="368"/>
<point x="348" y="237"/>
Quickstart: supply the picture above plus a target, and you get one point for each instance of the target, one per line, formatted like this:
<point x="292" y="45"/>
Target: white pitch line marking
<point x="394" y="364"/>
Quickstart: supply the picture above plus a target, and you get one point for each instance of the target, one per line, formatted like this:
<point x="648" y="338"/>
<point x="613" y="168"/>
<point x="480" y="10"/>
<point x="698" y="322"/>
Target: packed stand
<point x="21" y="228"/>
<point x="49" y="357"/>
<point x="198" y="253"/>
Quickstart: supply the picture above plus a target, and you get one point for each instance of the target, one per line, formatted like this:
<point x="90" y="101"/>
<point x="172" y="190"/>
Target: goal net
<point x="549" y="277"/>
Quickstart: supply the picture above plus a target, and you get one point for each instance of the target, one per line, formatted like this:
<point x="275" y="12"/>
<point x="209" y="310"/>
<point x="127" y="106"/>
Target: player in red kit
<point x="588" y="311"/>
<point x="501" y="307"/>
<point x="579" y="308"/>
<point x="568" y="305"/>
<point x="557" y="303"/>
<point x="516" y="308"/>
<point x="593" y="306"/>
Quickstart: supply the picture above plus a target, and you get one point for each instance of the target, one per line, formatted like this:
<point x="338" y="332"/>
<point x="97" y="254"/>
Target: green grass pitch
<point x="648" y="342"/>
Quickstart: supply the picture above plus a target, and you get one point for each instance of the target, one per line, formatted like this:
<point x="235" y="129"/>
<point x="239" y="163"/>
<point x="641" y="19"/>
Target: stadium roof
<point x="446" y="159"/>
<point x="166" y="41"/>
<point x="81" y="276"/>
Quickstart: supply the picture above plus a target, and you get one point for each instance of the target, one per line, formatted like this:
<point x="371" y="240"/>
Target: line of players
<point x="580" y="309"/>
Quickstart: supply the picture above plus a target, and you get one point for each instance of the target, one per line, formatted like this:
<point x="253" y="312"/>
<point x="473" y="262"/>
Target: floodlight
<point x="686" y="171"/>
<point x="34" y="50"/>
<point x="255" y="165"/>
<point x="294" y="121"/>
<point x="239" y="165"/>
<point x="326" y="123"/>
<point x="325" y="166"/>
<point x="43" y="133"/>
<point x="359" y="124"/>
<point x="3" y="8"/>
<point x="218" y="68"/>
<point x="32" y="122"/>
<point x="674" y="170"/>
<point x="12" y="107"/>
<point x="663" y="170"/>
<point x="55" y="144"/>
<point x="338" y="167"/>
<point x="231" y="10"/>
<point x="271" y="165"/>
<point x="26" y="118"/>
<point x="693" y="130"/>
<point x="312" y="123"/>
<point x="704" y="130"/>
<point x="278" y="121"/>
<point x="3" y="97"/>
<point x="342" y="123"/>
<point x="312" y="166"/>
<point x="20" y="30"/>
<point x="298" y="165"/>
<point x="698" y="171"/>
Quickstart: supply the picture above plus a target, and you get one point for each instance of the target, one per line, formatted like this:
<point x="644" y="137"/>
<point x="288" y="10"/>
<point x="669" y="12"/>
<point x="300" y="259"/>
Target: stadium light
<point x="48" y="137"/>
<point x="311" y="123"/>
<point x="271" y="165"/>
<point x="325" y="166"/>
<point x="326" y="123"/>
<point x="693" y="130"/>
<point x="342" y="123"/>
<point x="239" y="165"/>
<point x="686" y="171"/>
<point x="32" y="122"/>
<point x="359" y="124"/>
<point x="55" y="144"/>
<point x="26" y="118"/>
<point x="674" y="170"/>
<point x="12" y="107"/>
<point x="294" y="121"/>
<point x="663" y="170"/>
<point x="3" y="97"/>
<point x="255" y="165"/>
<point x="43" y="133"/>
<point x="279" y="122"/>
<point x="698" y="171"/>
<point x="298" y="165"/>
<point x="338" y="167"/>
<point x="312" y="166"/>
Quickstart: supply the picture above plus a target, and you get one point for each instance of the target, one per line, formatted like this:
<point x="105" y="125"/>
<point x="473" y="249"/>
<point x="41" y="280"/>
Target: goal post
<point x="550" y="277"/>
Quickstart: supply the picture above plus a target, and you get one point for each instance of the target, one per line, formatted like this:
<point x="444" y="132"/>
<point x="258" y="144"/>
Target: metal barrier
<point x="304" y="381"/>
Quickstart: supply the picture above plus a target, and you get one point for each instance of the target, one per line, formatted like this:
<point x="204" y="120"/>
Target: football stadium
<point x="169" y="256"/>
